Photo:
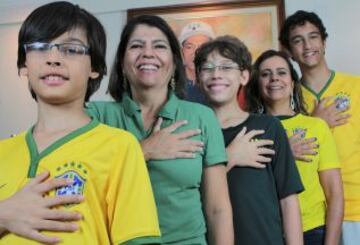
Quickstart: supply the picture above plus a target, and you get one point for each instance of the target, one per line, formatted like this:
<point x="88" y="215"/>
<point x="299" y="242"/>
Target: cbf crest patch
<point x="75" y="172"/>
<point x="76" y="188"/>
<point x="342" y="101"/>
<point x="300" y="131"/>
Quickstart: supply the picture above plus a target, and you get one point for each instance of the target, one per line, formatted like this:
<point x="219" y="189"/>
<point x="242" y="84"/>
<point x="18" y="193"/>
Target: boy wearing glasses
<point x="62" y="53"/>
<point x="262" y="177"/>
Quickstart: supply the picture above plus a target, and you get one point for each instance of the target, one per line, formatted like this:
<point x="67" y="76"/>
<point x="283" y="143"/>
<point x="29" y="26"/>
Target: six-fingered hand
<point x="30" y="211"/>
<point x="302" y="148"/>
<point x="245" y="151"/>
<point x="330" y="113"/>
<point x="165" y="144"/>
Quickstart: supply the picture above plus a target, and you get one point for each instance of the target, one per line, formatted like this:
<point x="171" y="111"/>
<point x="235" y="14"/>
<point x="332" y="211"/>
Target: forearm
<point x="291" y="220"/>
<point x="2" y="219"/>
<point x="220" y="227"/>
<point x="332" y="186"/>
<point x="334" y="218"/>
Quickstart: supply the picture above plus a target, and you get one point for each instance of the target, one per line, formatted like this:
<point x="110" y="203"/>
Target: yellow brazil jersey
<point x="312" y="200"/>
<point x="106" y="166"/>
<point x="346" y="92"/>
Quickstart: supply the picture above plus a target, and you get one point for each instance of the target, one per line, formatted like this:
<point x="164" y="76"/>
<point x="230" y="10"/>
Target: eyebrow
<point x="153" y="41"/>
<point x="73" y="39"/>
<point x="310" y="33"/>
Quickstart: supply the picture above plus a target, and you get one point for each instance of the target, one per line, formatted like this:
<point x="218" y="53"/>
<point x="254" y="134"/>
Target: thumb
<point x="158" y="124"/>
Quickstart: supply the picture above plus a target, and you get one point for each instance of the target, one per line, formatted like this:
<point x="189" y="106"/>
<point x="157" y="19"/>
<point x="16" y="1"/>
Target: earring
<point x="172" y="83"/>
<point x="260" y="109"/>
<point x="292" y="102"/>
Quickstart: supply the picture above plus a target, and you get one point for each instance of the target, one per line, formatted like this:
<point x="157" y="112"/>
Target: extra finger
<point x="52" y="184"/>
<point x="158" y="124"/>
<point x="188" y="133"/>
<point x="174" y="126"/>
<point x="62" y="215"/>
<point x="50" y="225"/>
<point x="52" y="201"/>
<point x="253" y="133"/>
<point x="39" y="179"/>
<point x="265" y="151"/>
<point x="40" y="237"/>
<point x="261" y="143"/>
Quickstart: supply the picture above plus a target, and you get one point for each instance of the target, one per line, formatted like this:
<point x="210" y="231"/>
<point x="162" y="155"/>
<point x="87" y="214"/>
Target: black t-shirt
<point x="255" y="193"/>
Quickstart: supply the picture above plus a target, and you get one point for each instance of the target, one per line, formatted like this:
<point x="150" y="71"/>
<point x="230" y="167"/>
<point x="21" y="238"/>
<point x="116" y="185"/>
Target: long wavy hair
<point x="254" y="101"/>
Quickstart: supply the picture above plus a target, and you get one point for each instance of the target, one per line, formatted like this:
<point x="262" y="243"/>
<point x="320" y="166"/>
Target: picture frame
<point x="255" y="22"/>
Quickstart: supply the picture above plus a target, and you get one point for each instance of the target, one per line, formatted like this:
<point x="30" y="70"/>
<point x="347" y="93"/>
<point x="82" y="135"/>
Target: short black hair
<point x="117" y="83"/>
<point x="228" y="46"/>
<point x="52" y="20"/>
<point x="252" y="91"/>
<point x="299" y="18"/>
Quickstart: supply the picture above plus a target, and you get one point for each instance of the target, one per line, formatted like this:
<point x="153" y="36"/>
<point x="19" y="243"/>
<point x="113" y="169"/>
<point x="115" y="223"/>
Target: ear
<point x="244" y="77"/>
<point x="23" y="72"/>
<point x="94" y="75"/>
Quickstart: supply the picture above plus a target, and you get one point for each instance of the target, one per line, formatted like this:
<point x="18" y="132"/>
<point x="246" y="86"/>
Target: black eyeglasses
<point x="65" y="49"/>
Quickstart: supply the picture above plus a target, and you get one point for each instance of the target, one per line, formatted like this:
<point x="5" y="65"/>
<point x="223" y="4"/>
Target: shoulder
<point x="346" y="76"/>
<point x="103" y="105"/>
<point x="265" y="121"/>
<point x="6" y="145"/>
<point x="115" y="135"/>
<point x="196" y="110"/>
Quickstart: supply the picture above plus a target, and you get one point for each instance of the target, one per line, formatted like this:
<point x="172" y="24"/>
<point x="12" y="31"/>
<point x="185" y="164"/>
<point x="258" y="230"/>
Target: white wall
<point x="18" y="110"/>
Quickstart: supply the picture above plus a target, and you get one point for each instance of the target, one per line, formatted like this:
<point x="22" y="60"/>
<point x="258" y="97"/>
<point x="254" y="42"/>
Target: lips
<point x="215" y="87"/>
<point x="54" y="79"/>
<point x="148" y="67"/>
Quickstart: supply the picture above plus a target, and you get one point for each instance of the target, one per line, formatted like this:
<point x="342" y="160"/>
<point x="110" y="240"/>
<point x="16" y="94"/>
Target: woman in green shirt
<point x="146" y="82"/>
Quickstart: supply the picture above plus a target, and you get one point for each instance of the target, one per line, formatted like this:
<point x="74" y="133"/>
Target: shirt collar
<point x="168" y="111"/>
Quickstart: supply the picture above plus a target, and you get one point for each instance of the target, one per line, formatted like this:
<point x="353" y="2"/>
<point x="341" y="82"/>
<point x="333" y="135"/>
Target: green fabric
<point x="143" y="240"/>
<point x="36" y="156"/>
<point x="322" y="91"/>
<point x="176" y="183"/>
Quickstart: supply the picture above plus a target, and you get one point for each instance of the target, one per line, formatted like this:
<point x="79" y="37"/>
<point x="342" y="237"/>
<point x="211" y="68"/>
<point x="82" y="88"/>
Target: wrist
<point x="2" y="219"/>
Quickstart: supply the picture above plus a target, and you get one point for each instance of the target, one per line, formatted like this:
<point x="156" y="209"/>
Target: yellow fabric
<point x="119" y="204"/>
<point x="312" y="200"/>
<point x="347" y="138"/>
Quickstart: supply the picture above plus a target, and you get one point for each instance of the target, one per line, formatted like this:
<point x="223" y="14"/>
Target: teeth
<point x="148" y="67"/>
<point x="53" y="78"/>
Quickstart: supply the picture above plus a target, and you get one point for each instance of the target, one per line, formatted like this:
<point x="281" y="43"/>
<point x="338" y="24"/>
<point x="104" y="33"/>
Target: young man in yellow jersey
<point x="334" y="97"/>
<point x="62" y="53"/>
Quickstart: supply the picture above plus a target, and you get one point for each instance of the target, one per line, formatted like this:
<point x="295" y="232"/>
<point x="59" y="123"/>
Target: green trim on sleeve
<point x="143" y="240"/>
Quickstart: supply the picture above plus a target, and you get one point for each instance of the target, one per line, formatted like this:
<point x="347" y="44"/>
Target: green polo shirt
<point x="176" y="183"/>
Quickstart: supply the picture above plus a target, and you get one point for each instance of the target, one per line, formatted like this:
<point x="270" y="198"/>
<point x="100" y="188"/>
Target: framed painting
<point x="254" y="22"/>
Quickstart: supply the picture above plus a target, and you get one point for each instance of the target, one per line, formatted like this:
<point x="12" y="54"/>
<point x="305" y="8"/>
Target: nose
<point x="53" y="57"/>
<point x="307" y="43"/>
<point x="148" y="51"/>
<point x="274" y="77"/>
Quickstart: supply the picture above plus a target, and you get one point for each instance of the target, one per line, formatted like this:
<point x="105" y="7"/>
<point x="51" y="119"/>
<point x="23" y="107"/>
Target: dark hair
<point x="117" y="83"/>
<point x="51" y="21"/>
<point x="299" y="18"/>
<point x="228" y="46"/>
<point x="252" y="92"/>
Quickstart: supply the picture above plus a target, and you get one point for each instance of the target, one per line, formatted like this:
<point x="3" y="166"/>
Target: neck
<point x="66" y="117"/>
<point x="150" y="101"/>
<point x="280" y="108"/>
<point x="230" y="114"/>
<point x="190" y="74"/>
<point x="316" y="77"/>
